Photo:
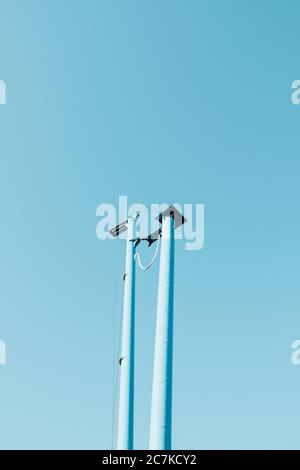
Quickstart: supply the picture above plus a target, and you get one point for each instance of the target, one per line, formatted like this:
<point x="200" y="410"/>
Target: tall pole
<point x="126" y="399"/>
<point x="161" y="411"/>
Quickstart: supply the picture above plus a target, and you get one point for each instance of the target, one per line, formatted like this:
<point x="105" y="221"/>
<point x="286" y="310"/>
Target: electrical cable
<point x="137" y="257"/>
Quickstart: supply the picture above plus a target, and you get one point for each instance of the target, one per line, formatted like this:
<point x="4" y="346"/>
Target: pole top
<point x="172" y="212"/>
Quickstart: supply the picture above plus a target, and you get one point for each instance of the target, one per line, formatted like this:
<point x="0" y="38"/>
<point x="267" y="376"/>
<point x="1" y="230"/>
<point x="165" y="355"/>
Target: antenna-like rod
<point x="126" y="361"/>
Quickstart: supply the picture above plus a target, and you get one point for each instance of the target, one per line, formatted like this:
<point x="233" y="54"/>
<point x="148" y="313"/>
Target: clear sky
<point x="162" y="101"/>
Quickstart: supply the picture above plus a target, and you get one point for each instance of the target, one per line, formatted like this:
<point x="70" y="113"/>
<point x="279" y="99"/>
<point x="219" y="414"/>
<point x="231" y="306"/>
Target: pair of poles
<point x="161" y="408"/>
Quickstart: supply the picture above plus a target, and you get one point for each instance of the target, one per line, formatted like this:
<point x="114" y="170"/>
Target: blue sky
<point x="161" y="101"/>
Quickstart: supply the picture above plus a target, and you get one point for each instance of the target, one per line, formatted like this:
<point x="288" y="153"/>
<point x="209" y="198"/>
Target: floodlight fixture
<point x="172" y="212"/>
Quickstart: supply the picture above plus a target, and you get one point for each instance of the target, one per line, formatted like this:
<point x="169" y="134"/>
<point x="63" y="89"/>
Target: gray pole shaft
<point x="161" y="411"/>
<point x="126" y="400"/>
